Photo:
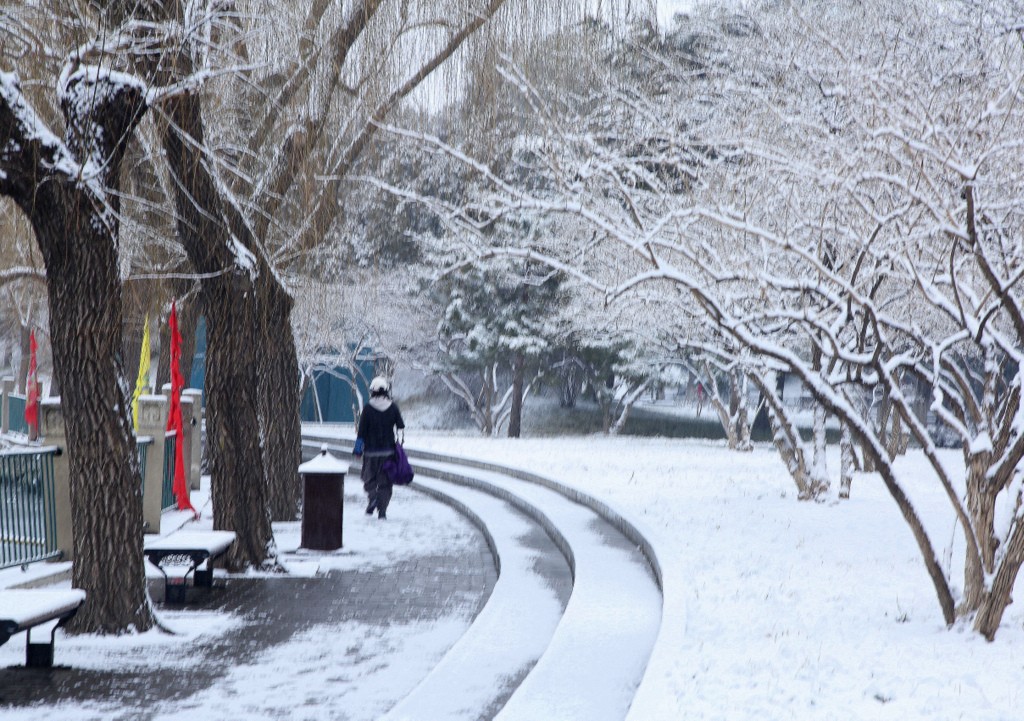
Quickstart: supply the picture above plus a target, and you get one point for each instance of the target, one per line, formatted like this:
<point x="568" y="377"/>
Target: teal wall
<point x="335" y="391"/>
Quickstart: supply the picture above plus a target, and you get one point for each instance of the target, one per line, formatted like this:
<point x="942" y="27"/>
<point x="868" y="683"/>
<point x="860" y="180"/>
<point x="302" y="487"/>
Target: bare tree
<point x="858" y="195"/>
<point x="284" y="178"/>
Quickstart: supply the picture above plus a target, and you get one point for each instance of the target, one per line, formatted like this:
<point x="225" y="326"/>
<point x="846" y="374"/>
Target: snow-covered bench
<point x="25" y="609"/>
<point x="190" y="550"/>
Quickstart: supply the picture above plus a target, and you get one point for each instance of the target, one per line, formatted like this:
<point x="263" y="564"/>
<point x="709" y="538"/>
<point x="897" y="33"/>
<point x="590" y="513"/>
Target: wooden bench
<point x="190" y="549"/>
<point x="23" y="610"/>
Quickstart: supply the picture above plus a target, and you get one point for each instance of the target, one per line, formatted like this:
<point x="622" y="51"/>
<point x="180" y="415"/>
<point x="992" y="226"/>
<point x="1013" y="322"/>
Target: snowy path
<point x="597" y="656"/>
<point x="512" y="630"/>
<point x="604" y="639"/>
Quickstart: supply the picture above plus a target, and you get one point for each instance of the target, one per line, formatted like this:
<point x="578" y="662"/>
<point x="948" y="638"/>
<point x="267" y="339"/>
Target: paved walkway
<point x="551" y="550"/>
<point x="272" y="611"/>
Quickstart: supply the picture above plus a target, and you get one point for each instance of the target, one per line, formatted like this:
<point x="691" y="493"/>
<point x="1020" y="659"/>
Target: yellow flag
<point x="142" y="383"/>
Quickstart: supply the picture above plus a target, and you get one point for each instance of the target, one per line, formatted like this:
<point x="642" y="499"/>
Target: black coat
<point x="377" y="428"/>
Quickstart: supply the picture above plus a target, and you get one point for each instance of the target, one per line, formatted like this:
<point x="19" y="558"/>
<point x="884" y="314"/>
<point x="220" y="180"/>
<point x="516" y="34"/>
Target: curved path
<point x="479" y="673"/>
<point x="589" y="665"/>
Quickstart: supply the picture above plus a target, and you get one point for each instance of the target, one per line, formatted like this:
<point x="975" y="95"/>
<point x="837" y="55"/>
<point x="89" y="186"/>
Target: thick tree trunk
<point x="106" y="497"/>
<point x="76" y="226"/>
<point x="238" y="480"/>
<point x="188" y="320"/>
<point x="279" y="401"/>
<point x="238" y="476"/>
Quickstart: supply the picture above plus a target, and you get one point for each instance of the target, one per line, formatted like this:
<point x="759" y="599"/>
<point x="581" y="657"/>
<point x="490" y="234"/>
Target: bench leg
<point x="203" y="578"/>
<point x="39" y="655"/>
<point x="175" y="590"/>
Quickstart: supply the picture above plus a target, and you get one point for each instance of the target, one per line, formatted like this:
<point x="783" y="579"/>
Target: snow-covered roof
<point x="324" y="462"/>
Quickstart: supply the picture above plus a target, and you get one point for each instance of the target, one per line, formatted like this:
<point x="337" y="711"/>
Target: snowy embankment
<point x="506" y="638"/>
<point x="603" y="640"/>
<point x="776" y="608"/>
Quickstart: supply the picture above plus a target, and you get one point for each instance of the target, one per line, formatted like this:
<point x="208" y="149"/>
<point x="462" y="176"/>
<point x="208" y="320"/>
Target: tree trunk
<point x="569" y="384"/>
<point x="85" y="295"/>
<point x="279" y="399"/>
<point x="819" y="464"/>
<point x="76" y="226"/>
<point x="710" y="389"/>
<point x="738" y="409"/>
<point x="896" y="445"/>
<point x="723" y="416"/>
<point x="238" y="475"/>
<point x="163" y="356"/>
<point x="515" y="419"/>
<point x="789" y="445"/>
<point x="981" y="499"/>
<point x="188" y="321"/>
<point x="26" y="333"/>
<point x="847" y="461"/>
<point x="237" y="472"/>
<point x="931" y="562"/>
<point x="993" y="606"/>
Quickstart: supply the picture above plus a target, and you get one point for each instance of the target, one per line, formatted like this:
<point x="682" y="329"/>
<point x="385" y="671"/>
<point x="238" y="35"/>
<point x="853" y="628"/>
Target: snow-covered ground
<point x="777" y="609"/>
<point x="667" y="9"/>
<point x="788" y="609"/>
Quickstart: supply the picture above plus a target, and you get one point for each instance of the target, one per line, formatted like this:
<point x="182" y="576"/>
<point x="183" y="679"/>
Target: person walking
<point x="375" y="442"/>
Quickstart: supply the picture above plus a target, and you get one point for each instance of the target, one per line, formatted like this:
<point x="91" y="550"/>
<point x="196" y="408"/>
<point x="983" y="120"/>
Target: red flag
<point x="32" y="391"/>
<point x="174" y="416"/>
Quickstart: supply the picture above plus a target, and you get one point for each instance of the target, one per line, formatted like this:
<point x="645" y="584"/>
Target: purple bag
<point x="397" y="467"/>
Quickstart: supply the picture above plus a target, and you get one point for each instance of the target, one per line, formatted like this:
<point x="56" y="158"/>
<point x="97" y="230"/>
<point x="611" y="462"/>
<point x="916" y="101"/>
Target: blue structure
<point x="333" y="388"/>
<point x="198" y="376"/>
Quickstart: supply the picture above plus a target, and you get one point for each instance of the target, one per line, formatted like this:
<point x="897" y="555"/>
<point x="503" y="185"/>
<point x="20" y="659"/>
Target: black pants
<point x="376" y="483"/>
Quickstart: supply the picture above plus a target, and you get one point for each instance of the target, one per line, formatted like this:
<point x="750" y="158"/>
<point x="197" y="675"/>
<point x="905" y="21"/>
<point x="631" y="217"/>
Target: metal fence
<point x="28" y="517"/>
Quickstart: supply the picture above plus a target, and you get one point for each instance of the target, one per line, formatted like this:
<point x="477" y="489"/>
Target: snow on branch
<point x="28" y="149"/>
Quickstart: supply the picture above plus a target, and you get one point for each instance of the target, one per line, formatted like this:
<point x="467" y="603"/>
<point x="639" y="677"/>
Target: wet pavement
<point x="272" y="610"/>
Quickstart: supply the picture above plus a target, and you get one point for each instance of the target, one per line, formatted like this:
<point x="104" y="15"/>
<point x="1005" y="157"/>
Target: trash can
<point x="323" y="496"/>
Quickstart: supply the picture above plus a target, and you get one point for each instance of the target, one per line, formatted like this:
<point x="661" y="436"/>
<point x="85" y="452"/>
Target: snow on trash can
<point x="323" y="495"/>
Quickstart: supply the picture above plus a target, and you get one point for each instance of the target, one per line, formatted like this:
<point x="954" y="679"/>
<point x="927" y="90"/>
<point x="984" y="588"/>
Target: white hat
<point x="379" y="385"/>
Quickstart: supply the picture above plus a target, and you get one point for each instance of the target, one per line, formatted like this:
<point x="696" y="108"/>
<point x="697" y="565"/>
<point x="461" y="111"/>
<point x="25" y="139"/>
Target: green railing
<point x="142" y="444"/>
<point x="28" y="516"/>
<point x="16" y="414"/>
<point x="167" y="498"/>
